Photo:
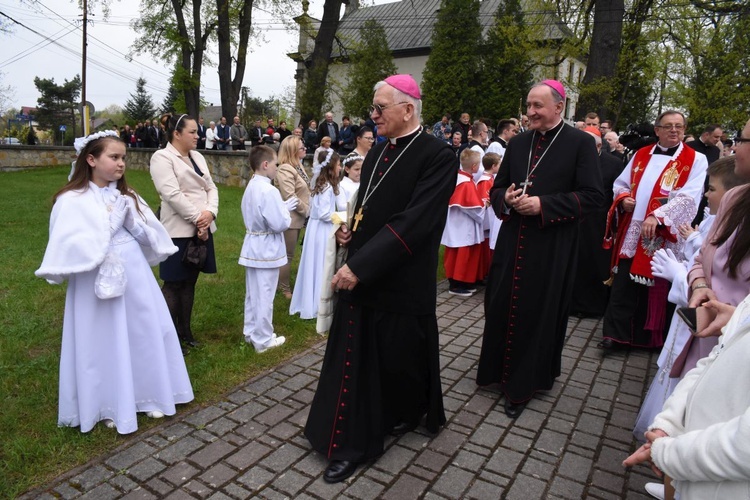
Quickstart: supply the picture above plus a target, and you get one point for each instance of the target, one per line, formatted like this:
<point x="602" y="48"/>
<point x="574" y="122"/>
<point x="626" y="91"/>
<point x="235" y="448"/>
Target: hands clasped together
<point x="521" y="202"/>
<point x="344" y="279"/>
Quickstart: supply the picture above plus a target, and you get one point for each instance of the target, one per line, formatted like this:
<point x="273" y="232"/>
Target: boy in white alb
<point x="463" y="234"/>
<point x="490" y="162"/>
<point x="263" y="252"/>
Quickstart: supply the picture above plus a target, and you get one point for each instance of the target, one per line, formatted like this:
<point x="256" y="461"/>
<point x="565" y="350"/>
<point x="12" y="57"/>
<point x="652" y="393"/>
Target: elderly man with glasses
<point x="381" y="370"/>
<point x="659" y="190"/>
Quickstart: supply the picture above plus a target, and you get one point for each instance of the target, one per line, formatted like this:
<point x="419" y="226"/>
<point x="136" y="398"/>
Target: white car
<point x="11" y="141"/>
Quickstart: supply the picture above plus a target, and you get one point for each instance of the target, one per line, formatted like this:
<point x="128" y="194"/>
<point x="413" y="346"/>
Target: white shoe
<point x="109" y="423"/>
<point x="276" y="342"/>
<point x="656" y="490"/>
<point x="154" y="414"/>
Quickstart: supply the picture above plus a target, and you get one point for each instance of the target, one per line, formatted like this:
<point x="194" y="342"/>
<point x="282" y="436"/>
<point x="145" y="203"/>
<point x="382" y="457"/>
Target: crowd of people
<point x="516" y="205"/>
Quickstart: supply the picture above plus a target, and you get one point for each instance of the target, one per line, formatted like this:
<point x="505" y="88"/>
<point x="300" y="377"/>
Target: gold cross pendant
<point x="357" y="218"/>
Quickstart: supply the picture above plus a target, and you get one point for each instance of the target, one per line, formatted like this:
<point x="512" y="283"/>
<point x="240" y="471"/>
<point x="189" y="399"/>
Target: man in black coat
<point x="706" y="144"/>
<point x="381" y="370"/>
<point x="329" y="128"/>
<point x="548" y="181"/>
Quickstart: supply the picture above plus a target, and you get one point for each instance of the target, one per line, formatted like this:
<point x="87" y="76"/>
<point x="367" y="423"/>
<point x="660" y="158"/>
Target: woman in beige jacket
<point x="292" y="180"/>
<point x="189" y="205"/>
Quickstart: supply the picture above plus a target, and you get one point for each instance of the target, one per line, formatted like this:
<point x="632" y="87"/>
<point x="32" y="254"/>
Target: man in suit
<point x="256" y="133"/>
<point x="329" y="128"/>
<point x="706" y="144"/>
<point x="222" y="135"/>
<point x="201" y="134"/>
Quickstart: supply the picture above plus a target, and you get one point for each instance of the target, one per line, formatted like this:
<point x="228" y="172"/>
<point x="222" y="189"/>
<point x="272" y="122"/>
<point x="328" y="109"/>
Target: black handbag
<point x="195" y="253"/>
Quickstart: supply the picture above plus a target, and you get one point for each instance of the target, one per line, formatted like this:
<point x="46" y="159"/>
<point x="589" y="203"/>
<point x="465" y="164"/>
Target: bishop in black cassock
<point x="381" y="370"/>
<point x="534" y="264"/>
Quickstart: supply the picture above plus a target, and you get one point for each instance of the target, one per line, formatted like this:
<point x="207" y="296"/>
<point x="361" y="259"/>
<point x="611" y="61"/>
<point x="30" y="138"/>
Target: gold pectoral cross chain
<point x="357" y="217"/>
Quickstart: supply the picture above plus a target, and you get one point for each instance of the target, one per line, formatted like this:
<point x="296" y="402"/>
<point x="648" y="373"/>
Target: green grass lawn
<point x="32" y="448"/>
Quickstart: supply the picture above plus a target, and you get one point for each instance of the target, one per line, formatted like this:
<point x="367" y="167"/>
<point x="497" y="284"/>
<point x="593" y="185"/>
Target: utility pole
<point x="84" y="108"/>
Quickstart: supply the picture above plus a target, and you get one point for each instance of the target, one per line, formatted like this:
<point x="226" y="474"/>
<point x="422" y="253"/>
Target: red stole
<point x="673" y="177"/>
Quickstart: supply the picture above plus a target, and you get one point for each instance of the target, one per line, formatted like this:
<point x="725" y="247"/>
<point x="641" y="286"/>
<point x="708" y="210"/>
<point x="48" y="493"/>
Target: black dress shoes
<point x="513" y="410"/>
<point x="338" y="470"/>
<point x="606" y="344"/>
<point x="402" y="428"/>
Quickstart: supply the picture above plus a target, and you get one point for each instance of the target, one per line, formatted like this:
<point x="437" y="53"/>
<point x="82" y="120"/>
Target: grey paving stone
<point x="146" y="469"/>
<point x="291" y="483"/>
<point x="123" y="483"/>
<point x="395" y="459"/>
<point x="538" y="469"/>
<point x="236" y="491"/>
<point x="432" y="460"/>
<point x="65" y="491"/>
<point x="482" y="490"/>
<point x="575" y="466"/>
<point x="129" y="456"/>
<point x="219" y="496"/>
<point x="197" y="488"/>
<point x="101" y="492"/>
<point x="139" y="494"/>
<point x="364" y="488"/>
<point x="221" y="426"/>
<point x="91" y="477"/>
<point x="218" y="475"/>
<point x="551" y="442"/>
<point x="607" y="481"/>
<point x="504" y="462"/>
<point x="179" y="474"/>
<point x="283" y="458"/>
<point x="447" y="442"/>
<point x="274" y="415"/>
<point x="468" y="460"/>
<point x="486" y="435"/>
<point x="406" y="486"/>
<point x="212" y="453"/>
<point x="248" y="455"/>
<point x="160" y="487"/>
<point x="204" y="416"/>
<point x="175" y="431"/>
<point x="526" y="488"/>
<point x="179" y="450"/>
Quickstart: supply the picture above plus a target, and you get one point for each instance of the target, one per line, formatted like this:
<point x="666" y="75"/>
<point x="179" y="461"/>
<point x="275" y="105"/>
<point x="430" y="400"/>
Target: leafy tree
<point x="505" y="77"/>
<point x="451" y="73"/>
<point x="176" y="32"/>
<point x="140" y="106"/>
<point x="719" y="91"/>
<point x="371" y="61"/>
<point x="57" y="104"/>
<point x="313" y="94"/>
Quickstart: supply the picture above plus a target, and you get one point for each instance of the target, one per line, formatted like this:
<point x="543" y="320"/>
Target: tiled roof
<point x="408" y="24"/>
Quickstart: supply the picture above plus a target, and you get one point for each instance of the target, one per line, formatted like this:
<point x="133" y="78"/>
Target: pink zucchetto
<point x="406" y="84"/>
<point x="556" y="85"/>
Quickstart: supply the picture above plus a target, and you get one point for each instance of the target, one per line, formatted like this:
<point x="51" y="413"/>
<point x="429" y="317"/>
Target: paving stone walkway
<point x="569" y="443"/>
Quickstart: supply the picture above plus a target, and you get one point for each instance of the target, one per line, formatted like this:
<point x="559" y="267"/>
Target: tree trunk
<point x="229" y="87"/>
<point x="317" y="68"/>
<point x="191" y="60"/>
<point x="606" y="39"/>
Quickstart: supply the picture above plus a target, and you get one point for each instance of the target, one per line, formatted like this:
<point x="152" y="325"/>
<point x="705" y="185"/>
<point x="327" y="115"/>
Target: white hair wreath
<point x="81" y="142"/>
<point x="328" y="158"/>
<point x="352" y="159"/>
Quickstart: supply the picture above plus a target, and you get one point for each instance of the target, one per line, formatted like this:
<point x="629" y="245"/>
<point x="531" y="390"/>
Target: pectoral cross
<point x="357" y="218"/>
<point x="524" y="184"/>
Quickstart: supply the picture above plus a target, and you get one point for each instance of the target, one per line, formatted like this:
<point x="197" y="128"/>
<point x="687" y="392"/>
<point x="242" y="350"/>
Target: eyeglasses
<point x="739" y="139"/>
<point x="673" y="126"/>
<point x="303" y="149"/>
<point x="368" y="138"/>
<point x="380" y="107"/>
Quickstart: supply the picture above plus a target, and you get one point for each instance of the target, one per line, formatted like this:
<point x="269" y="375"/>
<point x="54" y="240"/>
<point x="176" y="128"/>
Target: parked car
<point x="10" y="141"/>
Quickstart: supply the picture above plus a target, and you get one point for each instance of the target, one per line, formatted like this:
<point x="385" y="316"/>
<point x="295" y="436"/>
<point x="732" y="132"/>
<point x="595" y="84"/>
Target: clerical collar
<point x="554" y="129"/>
<point x="661" y="150"/>
<point x="476" y="143"/>
<point x="405" y="138"/>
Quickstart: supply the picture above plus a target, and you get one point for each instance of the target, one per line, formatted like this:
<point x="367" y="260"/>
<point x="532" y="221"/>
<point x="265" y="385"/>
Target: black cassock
<point x="590" y="294"/>
<point x="533" y="267"/>
<point x="381" y="365"/>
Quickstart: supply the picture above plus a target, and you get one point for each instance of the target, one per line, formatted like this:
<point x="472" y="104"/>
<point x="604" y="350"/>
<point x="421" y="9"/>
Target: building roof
<point x="409" y="24"/>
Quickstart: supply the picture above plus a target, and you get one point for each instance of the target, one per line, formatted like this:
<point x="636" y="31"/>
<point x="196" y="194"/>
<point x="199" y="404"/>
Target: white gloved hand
<point x="665" y="265"/>
<point x="291" y="203"/>
<point x="118" y="213"/>
<point x="130" y="215"/>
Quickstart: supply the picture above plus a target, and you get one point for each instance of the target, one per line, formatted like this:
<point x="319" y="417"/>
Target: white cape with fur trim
<point x="79" y="235"/>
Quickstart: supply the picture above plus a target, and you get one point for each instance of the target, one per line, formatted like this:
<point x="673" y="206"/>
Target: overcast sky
<point x="47" y="43"/>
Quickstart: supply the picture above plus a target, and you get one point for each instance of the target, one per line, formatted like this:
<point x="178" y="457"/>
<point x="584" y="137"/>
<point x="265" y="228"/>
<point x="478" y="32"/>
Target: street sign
<point x="63" y="128"/>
